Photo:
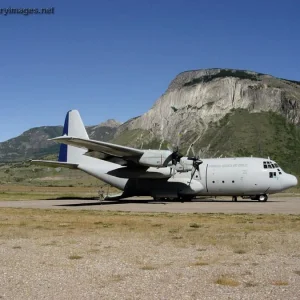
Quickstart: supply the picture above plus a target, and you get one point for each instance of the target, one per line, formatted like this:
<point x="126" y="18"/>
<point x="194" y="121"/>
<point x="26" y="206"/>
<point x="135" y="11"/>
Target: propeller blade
<point x="175" y="157"/>
<point x="168" y="159"/>
<point x="192" y="175"/>
<point x="196" y="163"/>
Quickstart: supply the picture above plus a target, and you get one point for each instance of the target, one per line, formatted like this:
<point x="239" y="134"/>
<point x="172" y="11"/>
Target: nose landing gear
<point x="260" y="198"/>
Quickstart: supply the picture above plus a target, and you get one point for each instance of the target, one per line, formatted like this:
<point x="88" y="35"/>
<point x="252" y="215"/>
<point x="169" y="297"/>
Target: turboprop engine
<point x="156" y="158"/>
<point x="167" y="158"/>
<point x="184" y="165"/>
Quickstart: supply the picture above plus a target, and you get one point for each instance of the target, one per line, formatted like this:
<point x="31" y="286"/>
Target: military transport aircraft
<point x="165" y="173"/>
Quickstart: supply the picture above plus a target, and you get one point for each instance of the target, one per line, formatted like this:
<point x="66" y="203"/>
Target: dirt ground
<point x="85" y="254"/>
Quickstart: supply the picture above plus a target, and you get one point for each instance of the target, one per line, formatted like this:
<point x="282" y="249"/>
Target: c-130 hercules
<point x="165" y="173"/>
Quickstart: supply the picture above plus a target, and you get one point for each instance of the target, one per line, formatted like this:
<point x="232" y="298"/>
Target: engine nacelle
<point x="155" y="158"/>
<point x="184" y="165"/>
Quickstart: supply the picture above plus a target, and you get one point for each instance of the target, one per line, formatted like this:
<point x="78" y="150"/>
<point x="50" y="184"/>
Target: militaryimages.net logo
<point x="27" y="11"/>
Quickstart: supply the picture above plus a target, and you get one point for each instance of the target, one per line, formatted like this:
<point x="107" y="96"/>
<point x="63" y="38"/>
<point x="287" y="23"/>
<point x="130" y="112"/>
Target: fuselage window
<point x="274" y="173"/>
<point x="271" y="174"/>
<point x="213" y="182"/>
<point x="223" y="181"/>
<point x="232" y="181"/>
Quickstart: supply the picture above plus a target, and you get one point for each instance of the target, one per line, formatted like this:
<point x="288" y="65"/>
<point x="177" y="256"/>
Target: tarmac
<point x="275" y="205"/>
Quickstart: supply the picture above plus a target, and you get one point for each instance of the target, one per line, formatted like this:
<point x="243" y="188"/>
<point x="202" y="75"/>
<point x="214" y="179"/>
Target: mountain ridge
<point x="33" y="143"/>
<point x="199" y="104"/>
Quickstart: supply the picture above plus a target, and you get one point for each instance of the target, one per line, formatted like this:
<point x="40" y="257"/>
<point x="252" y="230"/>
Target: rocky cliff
<point x="197" y="99"/>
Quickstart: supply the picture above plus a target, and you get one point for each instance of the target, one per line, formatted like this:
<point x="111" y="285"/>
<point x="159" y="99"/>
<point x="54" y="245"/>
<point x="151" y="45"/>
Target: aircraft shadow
<point x="112" y="202"/>
<point x="146" y="201"/>
<point x="73" y="198"/>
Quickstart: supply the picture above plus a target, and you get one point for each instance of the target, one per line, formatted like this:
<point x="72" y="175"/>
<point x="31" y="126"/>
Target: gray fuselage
<point x="217" y="176"/>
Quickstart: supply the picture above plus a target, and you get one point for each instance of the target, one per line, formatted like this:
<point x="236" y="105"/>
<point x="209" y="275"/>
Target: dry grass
<point x="195" y="225"/>
<point x="75" y="256"/>
<point x="201" y="263"/>
<point x="217" y="230"/>
<point x="24" y="192"/>
<point x="226" y="280"/>
<point x="297" y="272"/>
<point x="240" y="251"/>
<point x="148" y="267"/>
<point x="280" y="282"/>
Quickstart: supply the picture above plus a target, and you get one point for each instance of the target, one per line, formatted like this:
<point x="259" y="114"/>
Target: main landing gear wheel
<point x="262" y="198"/>
<point x="234" y="198"/>
<point x="186" y="198"/>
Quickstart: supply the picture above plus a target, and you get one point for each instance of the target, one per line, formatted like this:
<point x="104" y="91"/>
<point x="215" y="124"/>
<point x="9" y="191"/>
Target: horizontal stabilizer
<point x="54" y="164"/>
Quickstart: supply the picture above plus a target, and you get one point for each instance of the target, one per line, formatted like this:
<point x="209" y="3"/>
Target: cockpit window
<point x="270" y="165"/>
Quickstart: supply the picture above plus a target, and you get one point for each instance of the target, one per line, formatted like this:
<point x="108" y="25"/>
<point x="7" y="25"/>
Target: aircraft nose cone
<point x="290" y="181"/>
<point x="294" y="180"/>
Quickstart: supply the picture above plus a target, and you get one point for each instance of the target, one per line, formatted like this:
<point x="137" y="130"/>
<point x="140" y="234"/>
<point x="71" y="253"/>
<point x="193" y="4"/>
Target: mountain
<point x="34" y="143"/>
<point x="223" y="112"/>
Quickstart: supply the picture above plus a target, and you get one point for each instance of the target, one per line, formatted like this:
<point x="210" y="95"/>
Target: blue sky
<point x="113" y="59"/>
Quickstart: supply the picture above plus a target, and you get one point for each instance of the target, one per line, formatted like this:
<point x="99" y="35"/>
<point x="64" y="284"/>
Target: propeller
<point x="174" y="157"/>
<point x="196" y="163"/>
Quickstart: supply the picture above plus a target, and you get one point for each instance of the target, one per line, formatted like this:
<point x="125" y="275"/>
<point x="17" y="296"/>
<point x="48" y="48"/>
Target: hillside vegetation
<point x="264" y="134"/>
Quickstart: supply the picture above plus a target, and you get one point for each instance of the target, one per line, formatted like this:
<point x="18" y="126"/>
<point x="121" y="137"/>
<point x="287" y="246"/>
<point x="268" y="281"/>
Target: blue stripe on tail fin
<point x="63" y="151"/>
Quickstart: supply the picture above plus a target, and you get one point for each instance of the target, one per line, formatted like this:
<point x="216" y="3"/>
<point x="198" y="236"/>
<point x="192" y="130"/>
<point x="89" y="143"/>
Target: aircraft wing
<point x="108" y="149"/>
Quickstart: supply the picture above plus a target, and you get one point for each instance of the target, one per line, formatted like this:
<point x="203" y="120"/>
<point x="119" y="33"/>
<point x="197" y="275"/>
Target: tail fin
<point x="73" y="127"/>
